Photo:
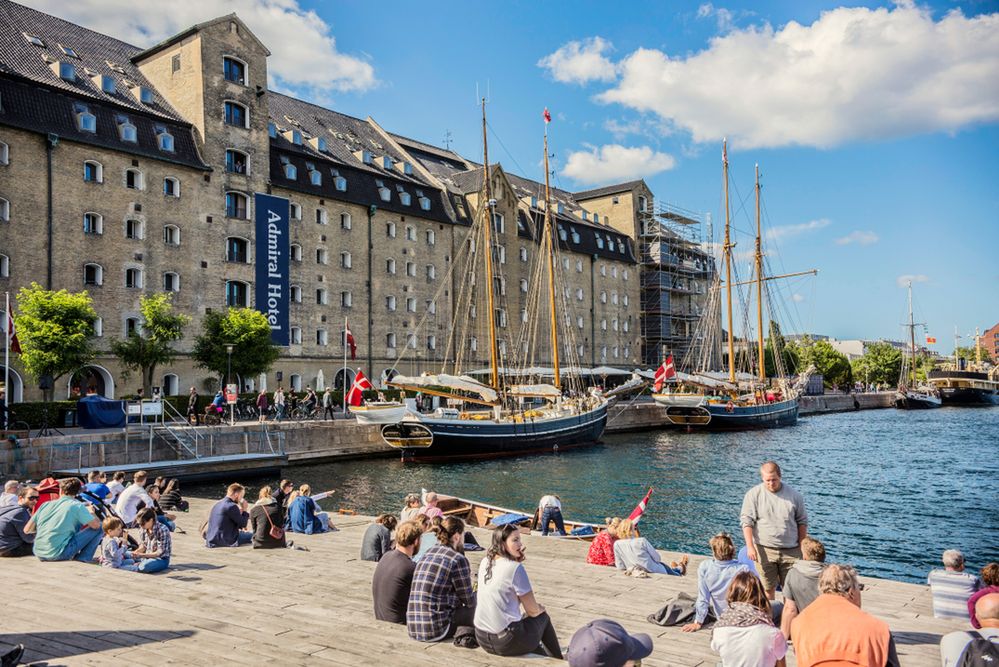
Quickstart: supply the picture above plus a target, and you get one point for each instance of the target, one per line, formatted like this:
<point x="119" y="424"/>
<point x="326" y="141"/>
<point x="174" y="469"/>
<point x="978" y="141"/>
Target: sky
<point x="875" y="125"/>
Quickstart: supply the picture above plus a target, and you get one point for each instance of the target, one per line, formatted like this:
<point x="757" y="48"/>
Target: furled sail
<point x="455" y="382"/>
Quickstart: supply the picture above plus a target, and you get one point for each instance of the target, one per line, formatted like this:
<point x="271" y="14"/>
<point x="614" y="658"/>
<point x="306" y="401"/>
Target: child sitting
<point x="114" y="551"/>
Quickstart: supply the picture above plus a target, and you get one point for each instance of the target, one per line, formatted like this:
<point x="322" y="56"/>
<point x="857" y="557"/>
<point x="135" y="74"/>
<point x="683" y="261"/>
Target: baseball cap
<point x="604" y="643"/>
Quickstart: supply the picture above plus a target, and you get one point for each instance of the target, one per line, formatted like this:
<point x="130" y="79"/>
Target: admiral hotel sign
<point x="272" y="259"/>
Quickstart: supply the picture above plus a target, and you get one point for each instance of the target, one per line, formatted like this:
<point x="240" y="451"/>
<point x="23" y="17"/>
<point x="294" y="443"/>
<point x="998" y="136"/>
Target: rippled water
<point x="885" y="490"/>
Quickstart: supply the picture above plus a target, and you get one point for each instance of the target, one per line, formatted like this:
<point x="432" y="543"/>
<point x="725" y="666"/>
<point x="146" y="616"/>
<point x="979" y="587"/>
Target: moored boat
<point x="970" y="388"/>
<point x="481" y="515"/>
<point x="384" y="412"/>
<point x="911" y="394"/>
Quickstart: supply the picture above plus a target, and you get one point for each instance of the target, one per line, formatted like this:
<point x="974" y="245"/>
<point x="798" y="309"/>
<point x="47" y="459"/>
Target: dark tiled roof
<point x="20" y="57"/>
<point x="169" y="41"/>
<point x="48" y="110"/>
<point x="608" y="190"/>
<point x="588" y="238"/>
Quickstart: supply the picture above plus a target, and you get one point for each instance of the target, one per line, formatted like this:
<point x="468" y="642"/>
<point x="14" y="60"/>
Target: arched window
<point x="132" y="326"/>
<point x="171" y="187"/>
<point x="235" y="114"/>
<point x="290" y="171"/>
<point x="4" y="153"/>
<point x="4" y="266"/>
<point x="133" y="278"/>
<point x="234" y="70"/>
<point x="171" y="385"/>
<point x="171" y="281"/>
<point x="296" y="252"/>
<point x="296" y="335"/>
<point x="237" y="205"/>
<point x="345" y="261"/>
<point x="171" y="235"/>
<point x="127" y="130"/>
<point x="315" y="177"/>
<point x="237" y="250"/>
<point x="237" y="294"/>
<point x="345" y="221"/>
<point x="295" y="211"/>
<point x="93" y="223"/>
<point x="390" y="266"/>
<point x="134" y="180"/>
<point x="296" y="382"/>
<point x="134" y="229"/>
<point x="93" y="171"/>
<point x="93" y="274"/>
<point x="296" y="294"/>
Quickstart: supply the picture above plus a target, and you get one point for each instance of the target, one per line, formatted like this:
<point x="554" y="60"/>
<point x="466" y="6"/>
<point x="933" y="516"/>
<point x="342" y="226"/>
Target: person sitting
<point x="114" y="552"/>
<point x="954" y="645"/>
<point x="48" y="490"/>
<point x="430" y="509"/>
<point x="116" y="486"/>
<point x="550" y="509"/>
<point x="744" y="633"/>
<point x="267" y="520"/>
<point x="990" y="584"/>
<point x="9" y="496"/>
<point x="128" y="504"/>
<point x="96" y="485"/>
<point x="605" y="643"/>
<point x="801" y="586"/>
<point x="503" y="587"/>
<point x="171" y="499"/>
<point x="441" y="599"/>
<point x="602" y="547"/>
<point x="14" y="542"/>
<point x="834" y="629"/>
<point x="155" y="543"/>
<point x="633" y="552"/>
<point x="429" y="538"/>
<point x="153" y="491"/>
<point x="65" y="529"/>
<point x="283" y="494"/>
<point x="302" y="514"/>
<point x="411" y="509"/>
<point x="227" y="519"/>
<point x="713" y="578"/>
<point x="377" y="540"/>
<point x="952" y="586"/>
<point x="393" y="576"/>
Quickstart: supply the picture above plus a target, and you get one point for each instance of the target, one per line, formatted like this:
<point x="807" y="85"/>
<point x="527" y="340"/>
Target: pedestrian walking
<point x="262" y="406"/>
<point x="192" y="407"/>
<point x="279" y="403"/>
<point x="328" y="403"/>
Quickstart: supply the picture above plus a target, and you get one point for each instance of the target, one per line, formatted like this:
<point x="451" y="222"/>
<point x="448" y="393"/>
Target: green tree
<point x="249" y="333"/>
<point x="834" y="366"/>
<point x="968" y="353"/>
<point x="881" y="364"/>
<point x="55" y="330"/>
<point x="152" y="344"/>
<point x="789" y="352"/>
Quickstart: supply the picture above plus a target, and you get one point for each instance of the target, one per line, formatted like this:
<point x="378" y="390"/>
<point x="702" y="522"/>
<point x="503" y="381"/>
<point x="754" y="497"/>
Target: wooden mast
<point x="487" y="206"/>
<point x="549" y="233"/>
<point x="759" y="284"/>
<point x="912" y="338"/>
<point x="727" y="250"/>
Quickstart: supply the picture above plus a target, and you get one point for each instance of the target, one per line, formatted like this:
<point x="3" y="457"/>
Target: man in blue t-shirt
<point x="97" y="484"/>
<point x="65" y="528"/>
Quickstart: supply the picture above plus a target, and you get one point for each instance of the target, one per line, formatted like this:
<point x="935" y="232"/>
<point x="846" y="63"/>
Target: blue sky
<point x="875" y="124"/>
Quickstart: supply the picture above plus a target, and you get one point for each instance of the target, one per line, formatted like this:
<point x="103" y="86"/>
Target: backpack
<point x="980" y="652"/>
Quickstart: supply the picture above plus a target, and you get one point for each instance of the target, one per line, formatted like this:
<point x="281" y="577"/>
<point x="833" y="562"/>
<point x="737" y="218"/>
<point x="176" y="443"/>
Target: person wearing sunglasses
<point x="14" y="542"/>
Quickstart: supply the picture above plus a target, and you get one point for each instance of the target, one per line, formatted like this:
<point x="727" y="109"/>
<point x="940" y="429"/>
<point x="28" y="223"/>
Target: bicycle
<point x="306" y="413"/>
<point x="213" y="415"/>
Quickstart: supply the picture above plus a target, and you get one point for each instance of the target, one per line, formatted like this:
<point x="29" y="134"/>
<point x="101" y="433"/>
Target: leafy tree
<point x="881" y="364"/>
<point x="152" y="345"/>
<point x="55" y="330"/>
<point x="249" y="333"/>
<point x="834" y="366"/>
<point x="789" y="352"/>
<point x="968" y="353"/>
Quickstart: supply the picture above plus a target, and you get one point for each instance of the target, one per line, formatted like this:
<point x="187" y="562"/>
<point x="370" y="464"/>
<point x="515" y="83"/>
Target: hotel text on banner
<point x="273" y="287"/>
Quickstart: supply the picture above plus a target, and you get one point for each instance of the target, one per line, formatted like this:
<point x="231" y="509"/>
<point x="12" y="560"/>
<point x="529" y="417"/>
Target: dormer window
<point x="146" y="95"/>
<point x="321" y="144"/>
<point x="383" y="192"/>
<point x="405" y="198"/>
<point x="561" y="209"/>
<point x="290" y="171"/>
<point x="296" y="137"/>
<point x="85" y="121"/>
<point x="234" y="70"/>
<point x="407" y="168"/>
<point x="34" y="39"/>
<point x="562" y="233"/>
<point x="315" y="177"/>
<point x="387" y="162"/>
<point x="126" y="131"/>
<point x="108" y="84"/>
<point x="164" y="139"/>
<point x="600" y="241"/>
<point x="364" y="156"/>
<point x="272" y="130"/>
<point x="425" y="203"/>
<point x="575" y="235"/>
<point x="340" y="183"/>
<point x="65" y="70"/>
<point x="69" y="51"/>
<point x="586" y="216"/>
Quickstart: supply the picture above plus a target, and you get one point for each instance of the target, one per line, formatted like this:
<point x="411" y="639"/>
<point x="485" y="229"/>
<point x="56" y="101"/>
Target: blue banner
<point x="272" y="259"/>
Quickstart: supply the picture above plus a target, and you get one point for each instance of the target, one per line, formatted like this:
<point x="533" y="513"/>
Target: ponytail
<point x="447" y="529"/>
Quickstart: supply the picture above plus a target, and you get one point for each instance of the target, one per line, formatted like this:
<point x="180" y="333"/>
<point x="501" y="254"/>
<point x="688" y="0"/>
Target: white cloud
<point x="304" y="53"/>
<point x="580" y="62"/>
<point x="859" y="237"/>
<point x="904" y="280"/>
<point x="853" y="74"/>
<point x="787" y="231"/>
<point x="724" y="17"/>
<point x="615" y="163"/>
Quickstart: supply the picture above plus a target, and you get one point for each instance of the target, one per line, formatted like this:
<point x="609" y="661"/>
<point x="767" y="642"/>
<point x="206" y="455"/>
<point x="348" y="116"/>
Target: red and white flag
<point x="930" y="340"/>
<point x="349" y="339"/>
<point x="15" y="344"/>
<point x="361" y="384"/>
<point x="547" y="116"/>
<point x="665" y="372"/>
<point x="636" y="514"/>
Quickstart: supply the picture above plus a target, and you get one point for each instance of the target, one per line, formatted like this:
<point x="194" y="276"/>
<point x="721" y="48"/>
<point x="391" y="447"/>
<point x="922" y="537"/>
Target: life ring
<point x="730" y="407"/>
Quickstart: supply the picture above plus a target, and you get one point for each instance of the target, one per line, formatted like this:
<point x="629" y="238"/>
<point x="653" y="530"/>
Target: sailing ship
<point x="721" y="403"/>
<point x="910" y="394"/>
<point x="512" y="419"/>
<point x="967" y="385"/>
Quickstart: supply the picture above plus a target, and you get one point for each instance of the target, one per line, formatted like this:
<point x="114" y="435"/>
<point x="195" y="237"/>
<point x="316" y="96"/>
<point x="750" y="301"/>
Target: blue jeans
<point x="152" y="565"/>
<point x="244" y="538"/>
<point x="82" y="546"/>
<point x="171" y="526"/>
<point x="552" y="514"/>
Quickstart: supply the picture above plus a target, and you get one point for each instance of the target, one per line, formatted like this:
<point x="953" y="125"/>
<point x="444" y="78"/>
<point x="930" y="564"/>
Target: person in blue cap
<point x="604" y="643"/>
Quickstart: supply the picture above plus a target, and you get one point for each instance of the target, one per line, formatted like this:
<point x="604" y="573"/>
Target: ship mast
<point x="759" y="285"/>
<point x="487" y="206"/>
<point x="912" y="339"/>
<point x="550" y="236"/>
<point x="978" y="350"/>
<point x="727" y="250"/>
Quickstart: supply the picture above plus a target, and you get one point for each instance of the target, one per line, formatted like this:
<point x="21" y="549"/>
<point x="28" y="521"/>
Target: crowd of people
<point x="424" y="580"/>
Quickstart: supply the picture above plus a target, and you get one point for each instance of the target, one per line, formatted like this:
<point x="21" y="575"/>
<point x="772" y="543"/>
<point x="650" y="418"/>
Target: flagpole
<point x="345" y="343"/>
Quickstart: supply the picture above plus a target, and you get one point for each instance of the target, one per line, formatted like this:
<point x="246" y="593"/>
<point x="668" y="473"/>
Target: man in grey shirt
<point x="801" y="586"/>
<point x="774" y="522"/>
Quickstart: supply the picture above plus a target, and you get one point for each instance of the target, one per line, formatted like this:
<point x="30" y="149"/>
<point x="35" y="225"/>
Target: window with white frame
<point x="431" y="342"/>
<point x="614" y="298"/>
<point x="614" y="272"/>
<point x="625" y="326"/>
<point x="164" y="139"/>
<point x="134" y="180"/>
<point x="93" y="172"/>
<point x="579" y="294"/>
<point x="132" y="326"/>
<point x="126" y="130"/>
<point x="390" y="341"/>
<point x="432" y="307"/>
<point x="321" y="256"/>
<point x="133" y="278"/>
<point x="565" y="263"/>
<point x="603" y="269"/>
<point x="235" y="114"/>
<point x="523" y="254"/>
<point x="523" y="314"/>
<point x="295" y="250"/>
<point x="93" y="223"/>
<point x="499" y="224"/>
<point x="290" y="170"/>
<point x="345" y="222"/>
<point x="625" y="274"/>
<point x="295" y="211"/>
<point x="296" y="382"/>
<point x="85" y="121"/>
<point x="411" y="341"/>
<point x="99" y="327"/>
<point x="295" y="335"/>
<point x="134" y="229"/>
<point x="431" y="237"/>
<point x="431" y="272"/>
<point x="171" y="187"/>
<point x="322" y="217"/>
<point x="321" y="297"/>
<point x="237" y="205"/>
<point x="579" y="266"/>
<point x="614" y="324"/>
<point x="523" y="285"/>
<point x="390" y="303"/>
<point x="93" y="274"/>
<point x="171" y="235"/>
<point x="624" y="299"/>
<point x="234" y="70"/>
<point x="473" y="344"/>
<point x="579" y="321"/>
<point x="236" y="162"/>
<point x="603" y="297"/>
<point x="411" y="269"/>
<point x="345" y="261"/>
<point x="322" y="337"/>
<point x="390" y="266"/>
<point x="315" y="177"/>
<point x="237" y="294"/>
<point x="171" y="281"/>
<point x="390" y="229"/>
<point x="295" y="294"/>
<point x="346" y="299"/>
<point x="4" y="266"/>
<point x="410" y="304"/>
<point x="410" y="233"/>
<point x="4" y="210"/>
<point x="603" y="324"/>
<point x="4" y="153"/>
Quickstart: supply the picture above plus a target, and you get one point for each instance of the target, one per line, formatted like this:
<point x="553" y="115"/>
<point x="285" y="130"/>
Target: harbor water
<point x="887" y="491"/>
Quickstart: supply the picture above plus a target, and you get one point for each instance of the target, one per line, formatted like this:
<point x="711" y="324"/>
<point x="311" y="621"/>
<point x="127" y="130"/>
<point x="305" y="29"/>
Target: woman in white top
<point x="411" y="509"/>
<point x="745" y="634"/>
<point x="501" y="627"/>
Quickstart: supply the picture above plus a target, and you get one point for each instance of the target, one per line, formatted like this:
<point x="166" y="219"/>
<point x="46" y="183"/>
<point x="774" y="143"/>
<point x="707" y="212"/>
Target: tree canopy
<point x="55" y="330"/>
<point x="833" y="365"/>
<point x="152" y="344"/>
<point x="248" y="331"/>
<point x="881" y="364"/>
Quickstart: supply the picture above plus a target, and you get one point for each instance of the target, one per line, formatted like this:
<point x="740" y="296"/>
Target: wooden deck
<point x="240" y="607"/>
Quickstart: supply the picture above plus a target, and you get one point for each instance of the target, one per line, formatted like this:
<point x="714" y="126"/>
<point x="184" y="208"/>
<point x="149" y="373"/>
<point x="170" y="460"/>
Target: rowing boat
<point x="481" y="515"/>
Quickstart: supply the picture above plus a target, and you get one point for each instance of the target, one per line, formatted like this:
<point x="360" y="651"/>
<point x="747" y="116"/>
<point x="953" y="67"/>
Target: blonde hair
<point x="625" y="529"/>
<point x="812" y="549"/>
<point x="722" y="547"/>
<point x="265" y="492"/>
<point x="838" y="580"/>
<point x="408" y="533"/>
<point x="305" y="490"/>
<point x="112" y="523"/>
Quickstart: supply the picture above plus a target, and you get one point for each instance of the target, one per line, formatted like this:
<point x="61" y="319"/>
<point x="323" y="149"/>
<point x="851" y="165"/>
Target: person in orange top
<point x="602" y="547"/>
<point x="834" y="632"/>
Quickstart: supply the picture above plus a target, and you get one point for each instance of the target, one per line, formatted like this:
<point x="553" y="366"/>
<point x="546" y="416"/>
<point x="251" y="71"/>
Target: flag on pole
<point x="349" y="339"/>
<point x="15" y="345"/>
<point x="665" y="372"/>
<point x="930" y="340"/>
<point x="547" y="116"/>
<point x="636" y="514"/>
<point x="361" y="384"/>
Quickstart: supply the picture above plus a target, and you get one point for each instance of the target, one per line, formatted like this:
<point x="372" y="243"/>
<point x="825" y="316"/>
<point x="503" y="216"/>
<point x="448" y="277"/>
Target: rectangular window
<point x="235" y="114"/>
<point x="235" y="162"/>
<point x="346" y="299"/>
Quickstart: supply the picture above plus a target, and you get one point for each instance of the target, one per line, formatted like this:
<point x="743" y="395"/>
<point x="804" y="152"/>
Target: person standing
<point x="550" y="508"/>
<point x="328" y="404"/>
<point x="279" y="404"/>
<point x="774" y="522"/>
<point x="262" y="406"/>
<point x="192" y="407"/>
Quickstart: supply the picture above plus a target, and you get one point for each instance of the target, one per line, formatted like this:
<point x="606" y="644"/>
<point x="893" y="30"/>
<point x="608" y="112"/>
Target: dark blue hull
<point x="969" y="396"/>
<point x="456" y="439"/>
<point x="722" y="417"/>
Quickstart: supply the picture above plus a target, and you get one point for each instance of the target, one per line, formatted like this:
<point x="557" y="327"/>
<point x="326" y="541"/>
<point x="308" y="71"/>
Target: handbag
<point x="276" y="531"/>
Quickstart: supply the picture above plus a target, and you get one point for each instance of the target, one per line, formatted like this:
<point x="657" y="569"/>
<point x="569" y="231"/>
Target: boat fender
<point x="730" y="407"/>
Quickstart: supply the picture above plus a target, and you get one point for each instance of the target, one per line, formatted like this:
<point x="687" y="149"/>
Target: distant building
<point x="990" y="342"/>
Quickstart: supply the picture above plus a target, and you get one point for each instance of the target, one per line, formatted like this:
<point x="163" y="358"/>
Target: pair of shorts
<point x="774" y="563"/>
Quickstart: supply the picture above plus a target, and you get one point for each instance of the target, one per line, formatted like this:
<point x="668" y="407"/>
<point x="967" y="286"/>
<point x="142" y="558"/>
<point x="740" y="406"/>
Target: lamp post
<point x="228" y="373"/>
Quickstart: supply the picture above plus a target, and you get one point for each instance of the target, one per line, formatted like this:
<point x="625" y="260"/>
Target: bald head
<point x="431" y="499"/>
<point x="987" y="610"/>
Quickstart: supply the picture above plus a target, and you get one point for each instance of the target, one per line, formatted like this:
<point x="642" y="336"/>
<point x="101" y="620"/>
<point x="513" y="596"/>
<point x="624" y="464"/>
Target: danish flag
<point x="349" y="337"/>
<point x="15" y="344"/>
<point x="361" y="384"/>
<point x="547" y="115"/>
<point x="636" y="514"/>
<point x="665" y="372"/>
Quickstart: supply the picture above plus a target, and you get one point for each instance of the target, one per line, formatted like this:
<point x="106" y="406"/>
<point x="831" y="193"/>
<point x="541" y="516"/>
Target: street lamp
<point x="228" y="373"/>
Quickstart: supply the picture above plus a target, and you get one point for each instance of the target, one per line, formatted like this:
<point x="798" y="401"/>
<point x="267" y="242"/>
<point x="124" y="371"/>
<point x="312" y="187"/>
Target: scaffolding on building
<point x="677" y="270"/>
